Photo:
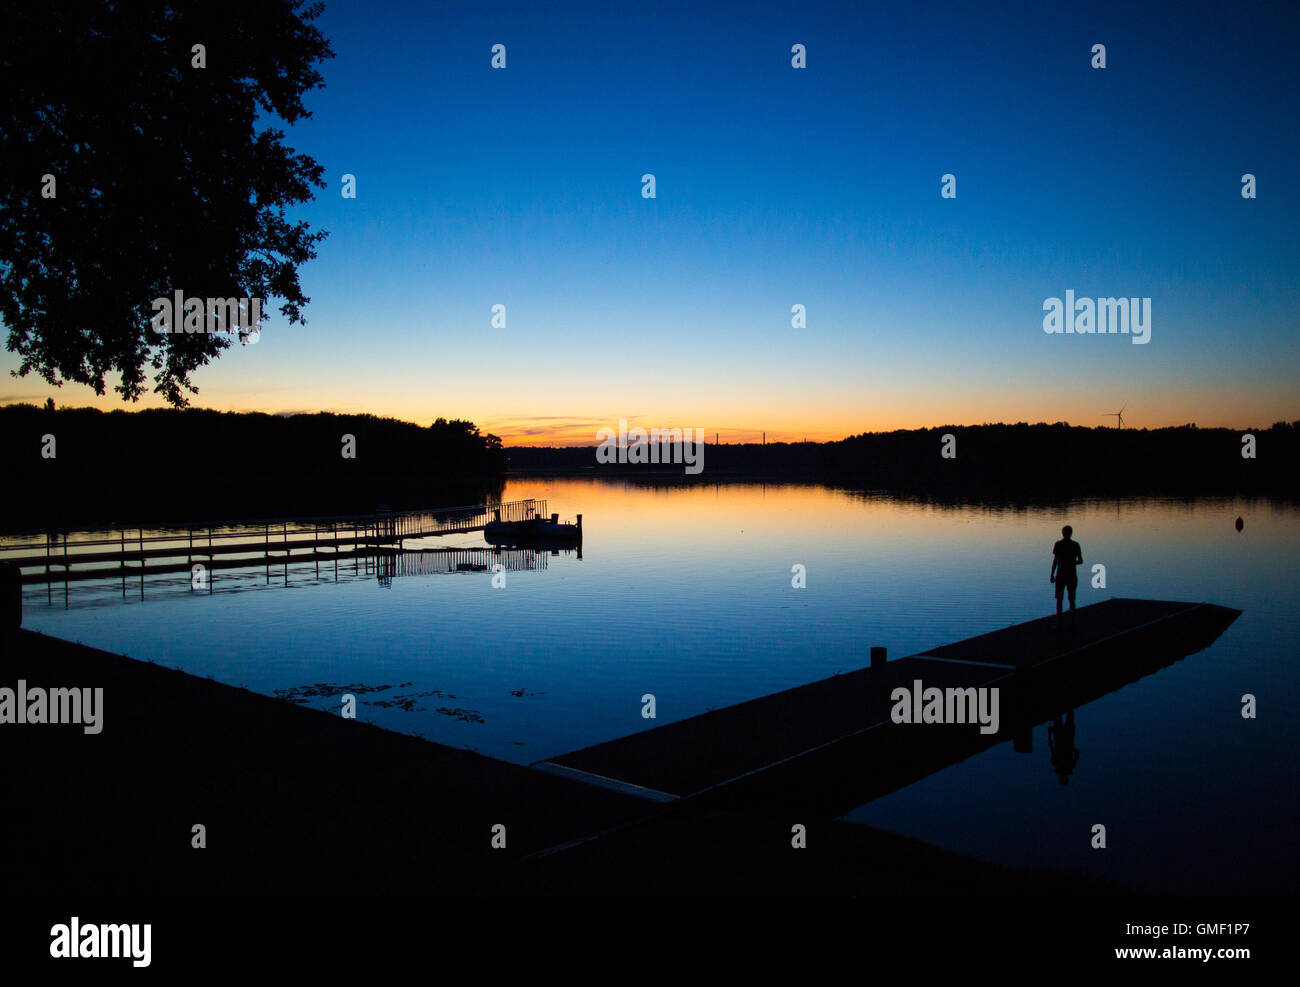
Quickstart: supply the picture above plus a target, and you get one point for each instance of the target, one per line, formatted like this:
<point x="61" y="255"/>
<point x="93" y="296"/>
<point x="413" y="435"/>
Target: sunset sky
<point x="779" y="186"/>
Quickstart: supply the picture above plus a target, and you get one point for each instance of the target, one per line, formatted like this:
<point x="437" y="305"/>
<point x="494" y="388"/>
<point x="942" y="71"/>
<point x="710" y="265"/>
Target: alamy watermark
<point x="104" y="941"/>
<point x="934" y="705"/>
<point x="1099" y="316"/>
<point x="37" y="705"/>
<point x="657" y="445"/>
<point x="179" y="314"/>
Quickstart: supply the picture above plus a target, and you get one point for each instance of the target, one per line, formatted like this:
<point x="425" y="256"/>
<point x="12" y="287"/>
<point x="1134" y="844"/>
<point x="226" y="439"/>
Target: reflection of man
<point x="1060" y="741"/>
<point x="1066" y="554"/>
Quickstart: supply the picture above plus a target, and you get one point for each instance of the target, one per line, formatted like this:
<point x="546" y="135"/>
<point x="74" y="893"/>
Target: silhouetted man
<point x="1066" y="554"/>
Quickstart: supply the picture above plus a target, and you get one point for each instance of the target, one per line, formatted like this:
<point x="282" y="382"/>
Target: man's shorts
<point x="1062" y="585"/>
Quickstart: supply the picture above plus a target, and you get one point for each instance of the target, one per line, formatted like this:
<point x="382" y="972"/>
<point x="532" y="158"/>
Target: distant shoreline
<point x="80" y="467"/>
<point x="73" y="467"/>
<point x="1004" y="462"/>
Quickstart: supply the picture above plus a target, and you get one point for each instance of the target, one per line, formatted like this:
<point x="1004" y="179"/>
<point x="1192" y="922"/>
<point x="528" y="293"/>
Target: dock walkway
<point x="832" y="744"/>
<point x="122" y="551"/>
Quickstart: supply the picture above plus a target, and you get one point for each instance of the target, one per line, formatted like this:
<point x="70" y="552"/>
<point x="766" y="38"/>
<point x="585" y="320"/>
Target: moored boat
<point x="536" y="528"/>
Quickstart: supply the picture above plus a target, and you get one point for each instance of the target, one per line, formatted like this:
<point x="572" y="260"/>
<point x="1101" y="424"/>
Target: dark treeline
<point x="1003" y="462"/>
<point x="169" y="465"/>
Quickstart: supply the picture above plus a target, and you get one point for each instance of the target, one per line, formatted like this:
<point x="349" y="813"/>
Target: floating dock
<point x="832" y="745"/>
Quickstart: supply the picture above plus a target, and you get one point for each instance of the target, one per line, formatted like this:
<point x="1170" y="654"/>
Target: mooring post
<point x="878" y="656"/>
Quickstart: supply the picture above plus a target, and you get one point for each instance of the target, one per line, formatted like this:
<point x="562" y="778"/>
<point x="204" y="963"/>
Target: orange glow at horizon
<point x="548" y="418"/>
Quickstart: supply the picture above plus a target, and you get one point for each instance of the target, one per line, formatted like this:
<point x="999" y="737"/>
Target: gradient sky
<point x="778" y="186"/>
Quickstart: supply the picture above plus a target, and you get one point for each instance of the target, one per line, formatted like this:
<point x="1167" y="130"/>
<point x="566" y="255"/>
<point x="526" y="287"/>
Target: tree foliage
<point x="167" y="177"/>
<point x="189" y="464"/>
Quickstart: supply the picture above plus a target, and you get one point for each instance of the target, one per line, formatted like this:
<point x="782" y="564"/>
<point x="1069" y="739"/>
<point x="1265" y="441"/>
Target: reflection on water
<point x="685" y="592"/>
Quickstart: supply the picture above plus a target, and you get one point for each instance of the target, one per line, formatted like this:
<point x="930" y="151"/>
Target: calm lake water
<point x="685" y="592"/>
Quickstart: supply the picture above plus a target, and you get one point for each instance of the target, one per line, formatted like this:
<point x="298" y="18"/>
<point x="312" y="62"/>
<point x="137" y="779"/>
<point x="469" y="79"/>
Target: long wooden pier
<point x="832" y="745"/>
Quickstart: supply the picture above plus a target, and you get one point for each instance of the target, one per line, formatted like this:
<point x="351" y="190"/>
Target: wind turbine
<point x="1118" y="415"/>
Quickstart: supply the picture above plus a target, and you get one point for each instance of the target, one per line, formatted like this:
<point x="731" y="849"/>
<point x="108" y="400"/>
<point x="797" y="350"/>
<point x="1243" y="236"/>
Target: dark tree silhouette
<point x="1001" y="463"/>
<point x="166" y="176"/>
<point x="188" y="464"/>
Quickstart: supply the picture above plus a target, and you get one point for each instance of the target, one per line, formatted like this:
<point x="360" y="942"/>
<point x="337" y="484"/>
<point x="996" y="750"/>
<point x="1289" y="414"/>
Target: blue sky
<point x="777" y="186"/>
